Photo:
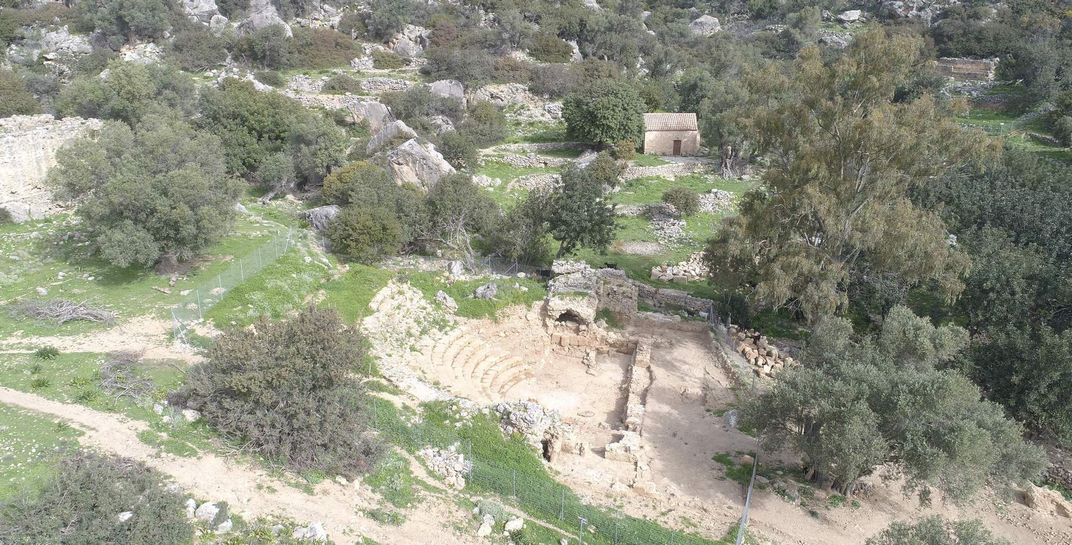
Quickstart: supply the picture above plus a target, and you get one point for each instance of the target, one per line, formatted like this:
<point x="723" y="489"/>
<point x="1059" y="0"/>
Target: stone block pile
<point x="449" y="464"/>
<point x="640" y="380"/>
<point x="764" y="357"/>
<point x="691" y="269"/>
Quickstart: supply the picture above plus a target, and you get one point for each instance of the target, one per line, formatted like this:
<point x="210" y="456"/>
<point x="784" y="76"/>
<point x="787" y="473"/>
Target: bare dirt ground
<point x="681" y="433"/>
<point x="252" y="492"/>
<point x="145" y="334"/>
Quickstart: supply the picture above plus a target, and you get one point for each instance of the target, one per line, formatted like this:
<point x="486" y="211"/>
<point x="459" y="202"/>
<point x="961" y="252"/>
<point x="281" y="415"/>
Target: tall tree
<point x="842" y="158"/>
<point x="605" y="112"/>
<point x="579" y="213"/>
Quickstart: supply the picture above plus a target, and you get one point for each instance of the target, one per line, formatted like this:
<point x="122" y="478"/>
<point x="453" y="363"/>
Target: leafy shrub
<point x="418" y="102"/>
<point x="458" y="149"/>
<point x="386" y="17"/>
<point x="267" y="47"/>
<point x="6" y="217"/>
<point x="287" y="389"/>
<point x="80" y="505"/>
<point x="547" y="47"/>
<point x="128" y="93"/>
<point x="510" y="69"/>
<point x="341" y="84"/>
<point x="624" y="150"/>
<point x="365" y="234"/>
<point x="195" y="49"/>
<point x="388" y="60"/>
<point x="685" y="200"/>
<point x="47" y="353"/>
<point x="15" y="98"/>
<point x="270" y="77"/>
<point x="118" y="21"/>
<point x="322" y="48"/>
<point x="473" y="67"/>
<point x="1062" y="130"/>
<point x="936" y="531"/>
<point x="605" y="112"/>
<point x="484" y="124"/>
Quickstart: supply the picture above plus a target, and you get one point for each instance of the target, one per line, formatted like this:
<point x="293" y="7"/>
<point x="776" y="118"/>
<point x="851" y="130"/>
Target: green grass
<point x="351" y="293"/>
<point x="31" y="446"/>
<point x="650" y="189"/>
<point x="645" y="160"/>
<point x="564" y="153"/>
<point x="275" y="291"/>
<point x="34" y="254"/>
<point x="74" y="378"/>
<point x="537" y="133"/>
<point x="528" y="292"/>
<point x="1032" y="136"/>
<point x="393" y="480"/>
<point x="508" y="173"/>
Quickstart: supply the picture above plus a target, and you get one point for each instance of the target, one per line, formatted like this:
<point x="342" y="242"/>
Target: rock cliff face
<point x="28" y="145"/>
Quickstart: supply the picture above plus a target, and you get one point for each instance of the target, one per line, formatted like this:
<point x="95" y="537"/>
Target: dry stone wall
<point x="28" y="146"/>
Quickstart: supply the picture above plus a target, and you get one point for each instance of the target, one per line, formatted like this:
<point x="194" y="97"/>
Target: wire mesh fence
<point x="193" y="306"/>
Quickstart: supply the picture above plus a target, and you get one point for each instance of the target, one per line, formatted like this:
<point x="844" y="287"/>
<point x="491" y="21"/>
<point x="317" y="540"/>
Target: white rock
<point x="191" y="415"/>
<point x="484" y="530"/>
<point x="705" y="25"/>
<point x="393" y="131"/>
<point x="514" y="524"/>
<point x="41" y="291"/>
<point x="225" y="527"/>
<point x="418" y="163"/>
<point x="191" y="508"/>
<point x="124" y="516"/>
<point x="850" y="16"/>
<point x="206" y="512"/>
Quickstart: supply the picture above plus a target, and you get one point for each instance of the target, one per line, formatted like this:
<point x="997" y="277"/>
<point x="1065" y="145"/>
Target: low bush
<point x="82" y="502"/>
<point x="270" y="77"/>
<point x="341" y="84"/>
<point x="685" y="200"/>
<point x="365" y="234"/>
<point x="15" y="98"/>
<point x="195" y="49"/>
<point x="387" y="60"/>
<point x="322" y="48"/>
<point x="289" y="391"/>
<point x="47" y="353"/>
<point x="547" y="47"/>
<point x="459" y="150"/>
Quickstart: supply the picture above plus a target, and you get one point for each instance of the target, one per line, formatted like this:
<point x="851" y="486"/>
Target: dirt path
<point x="145" y="334"/>
<point x="252" y="492"/>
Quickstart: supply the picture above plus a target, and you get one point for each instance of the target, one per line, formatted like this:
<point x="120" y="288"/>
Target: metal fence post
<point x="514" y="471"/>
<point x="241" y="271"/>
<point x="197" y="292"/>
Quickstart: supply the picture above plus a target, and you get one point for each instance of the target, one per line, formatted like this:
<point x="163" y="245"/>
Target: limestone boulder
<point x="51" y="45"/>
<point x="218" y="23"/>
<point x="262" y="14"/>
<point x="391" y="132"/>
<point x="448" y="88"/>
<point x="410" y="41"/>
<point x="705" y="25"/>
<point x="200" y="10"/>
<point x="376" y="113"/>
<point x="850" y="16"/>
<point x="419" y="163"/>
<point x="322" y="216"/>
<point x="142" y="53"/>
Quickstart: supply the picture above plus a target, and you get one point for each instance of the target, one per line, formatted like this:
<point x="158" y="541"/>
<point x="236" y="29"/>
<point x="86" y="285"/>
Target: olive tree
<point x="158" y="193"/>
<point x="604" y="113"/>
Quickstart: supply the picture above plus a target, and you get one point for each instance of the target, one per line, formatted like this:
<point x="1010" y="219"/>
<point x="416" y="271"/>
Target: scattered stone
<point x="447" y="301"/>
<point x="850" y="16"/>
<point x="41" y="291"/>
<point x="191" y="415"/>
<point x="314" y="532"/>
<point x="715" y="200"/>
<point x="225" y="527"/>
<point x="514" y="525"/>
<point x="449" y="464"/>
<point x="691" y="269"/>
<point x="380" y="85"/>
<point x="484" y="530"/>
<point x="124" y="516"/>
<point x="486" y="182"/>
<point x="206" y="512"/>
<point x="486" y="291"/>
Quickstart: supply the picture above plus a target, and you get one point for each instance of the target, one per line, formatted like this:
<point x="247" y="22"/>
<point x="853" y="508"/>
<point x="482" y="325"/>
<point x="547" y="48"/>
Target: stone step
<point x="442" y="345"/>
<point x="474" y="356"/>
<point x="505" y="375"/>
<point x="451" y="354"/>
<point x="504" y="390"/>
<point x="491" y="365"/>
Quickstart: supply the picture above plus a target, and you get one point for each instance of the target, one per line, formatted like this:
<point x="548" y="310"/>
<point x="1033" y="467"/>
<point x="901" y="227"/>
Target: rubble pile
<point x="715" y="200"/>
<point x="763" y="356"/>
<point x="449" y="464"/>
<point x="692" y="268"/>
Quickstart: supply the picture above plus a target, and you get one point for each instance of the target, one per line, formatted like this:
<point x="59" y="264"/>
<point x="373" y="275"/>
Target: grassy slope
<point x="30" y="445"/>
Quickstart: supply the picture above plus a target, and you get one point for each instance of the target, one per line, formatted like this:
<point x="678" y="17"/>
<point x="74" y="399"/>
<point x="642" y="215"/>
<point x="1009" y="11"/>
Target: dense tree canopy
<point x="578" y="212"/>
<point x="843" y="157"/>
<point x="857" y="403"/>
<point x="158" y="192"/>
<point x="605" y="113"/>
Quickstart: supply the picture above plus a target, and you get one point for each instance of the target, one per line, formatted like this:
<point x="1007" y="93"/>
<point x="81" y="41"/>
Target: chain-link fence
<point x="198" y="301"/>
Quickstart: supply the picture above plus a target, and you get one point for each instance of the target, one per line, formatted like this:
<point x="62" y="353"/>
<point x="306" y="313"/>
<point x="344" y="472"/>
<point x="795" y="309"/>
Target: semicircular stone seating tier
<point x="477" y="366"/>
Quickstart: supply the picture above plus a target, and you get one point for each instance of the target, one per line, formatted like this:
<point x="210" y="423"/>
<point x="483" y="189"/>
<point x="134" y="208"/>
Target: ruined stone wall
<point x="672" y="169"/>
<point x="28" y="145"/>
<point x="963" y="69"/>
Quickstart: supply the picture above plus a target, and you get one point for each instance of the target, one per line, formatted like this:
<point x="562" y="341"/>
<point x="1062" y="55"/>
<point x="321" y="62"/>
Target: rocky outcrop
<point x="410" y="41"/>
<point x="518" y="102"/>
<point x="394" y="131"/>
<point x="375" y="113"/>
<point x="52" y="45"/>
<point x="143" y="53"/>
<point x="448" y="88"/>
<point x="705" y="25"/>
<point x="418" y="163"/>
<point x="200" y="10"/>
<point x="573" y="294"/>
<point x="380" y="85"/>
<point x="28" y="146"/>
<point x="686" y="271"/>
<point x="850" y="16"/>
<point x="449" y="464"/>
<point x="262" y="14"/>
<point x="320" y="217"/>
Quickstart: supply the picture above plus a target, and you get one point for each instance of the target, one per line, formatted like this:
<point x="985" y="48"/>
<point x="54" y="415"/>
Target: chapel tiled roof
<point x="670" y="122"/>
